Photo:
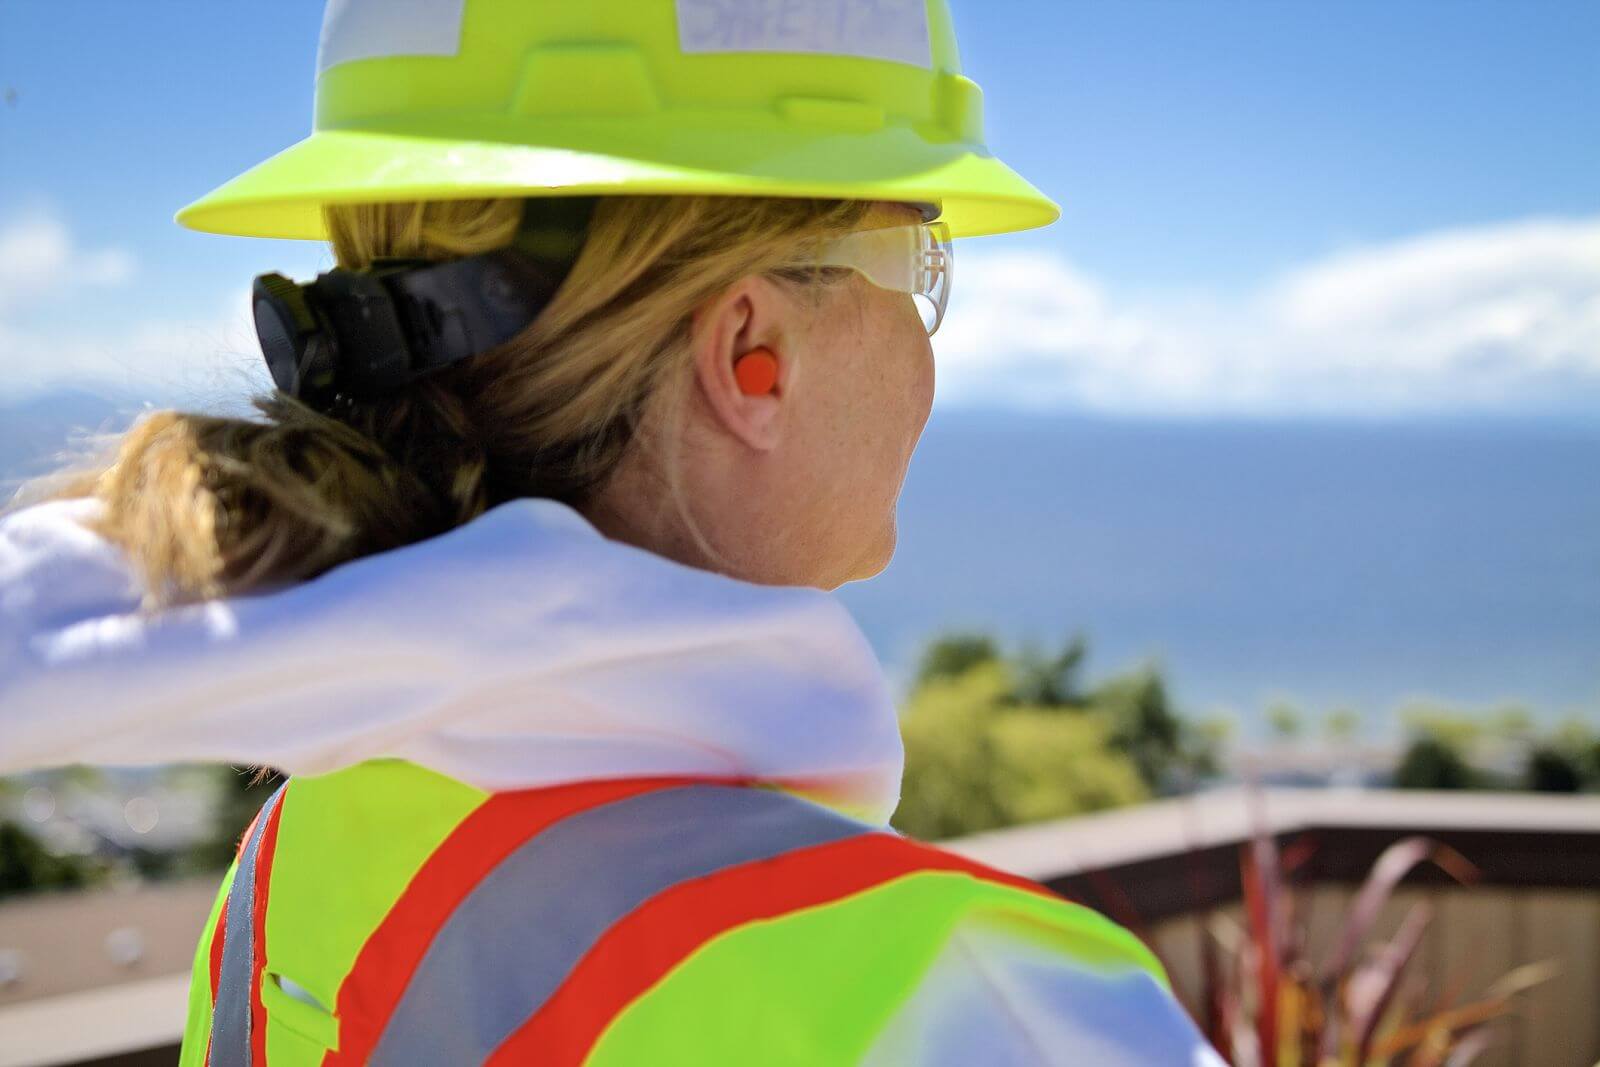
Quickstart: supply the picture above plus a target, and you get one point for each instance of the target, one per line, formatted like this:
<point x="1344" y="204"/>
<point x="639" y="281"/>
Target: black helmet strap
<point x="367" y="333"/>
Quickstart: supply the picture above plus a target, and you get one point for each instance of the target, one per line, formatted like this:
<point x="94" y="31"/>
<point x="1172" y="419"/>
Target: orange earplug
<point x="756" y="372"/>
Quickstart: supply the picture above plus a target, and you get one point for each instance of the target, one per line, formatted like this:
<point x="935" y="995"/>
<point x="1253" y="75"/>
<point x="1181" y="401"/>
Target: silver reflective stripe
<point x="512" y="942"/>
<point x="230" y="1018"/>
<point x="378" y="29"/>
<point x="896" y="30"/>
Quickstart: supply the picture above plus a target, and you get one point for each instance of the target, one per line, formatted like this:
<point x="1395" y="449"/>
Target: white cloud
<point x="46" y="341"/>
<point x="169" y="359"/>
<point x="1502" y="318"/>
<point x="38" y="258"/>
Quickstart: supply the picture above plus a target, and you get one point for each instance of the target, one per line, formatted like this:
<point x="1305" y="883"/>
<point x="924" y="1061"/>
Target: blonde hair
<point x="206" y="506"/>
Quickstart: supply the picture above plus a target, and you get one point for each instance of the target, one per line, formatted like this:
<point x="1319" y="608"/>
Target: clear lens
<point x="908" y="259"/>
<point x="937" y="267"/>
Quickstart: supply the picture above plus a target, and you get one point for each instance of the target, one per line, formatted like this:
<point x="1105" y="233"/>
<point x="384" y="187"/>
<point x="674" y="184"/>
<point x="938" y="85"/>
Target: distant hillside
<point x="36" y="430"/>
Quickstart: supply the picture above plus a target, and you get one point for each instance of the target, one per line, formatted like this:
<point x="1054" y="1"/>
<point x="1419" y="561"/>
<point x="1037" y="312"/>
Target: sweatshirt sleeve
<point x="87" y="676"/>
<point x="999" y="997"/>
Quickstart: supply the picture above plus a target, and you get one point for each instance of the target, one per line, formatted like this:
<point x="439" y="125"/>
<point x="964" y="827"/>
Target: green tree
<point x="1054" y="766"/>
<point x="1579" y="744"/>
<point x="1512" y="723"/>
<point x="1201" y="750"/>
<point x="951" y="766"/>
<point x="1285" y="720"/>
<point x="1143" y="724"/>
<point x="26" y="865"/>
<point x="1552" y="769"/>
<point x="993" y="740"/>
<point x="1341" y="725"/>
<point x="977" y="760"/>
<point x="954" y="655"/>
<point x="1051" y="681"/>
<point x="1461" y="732"/>
<point x="1431" y="762"/>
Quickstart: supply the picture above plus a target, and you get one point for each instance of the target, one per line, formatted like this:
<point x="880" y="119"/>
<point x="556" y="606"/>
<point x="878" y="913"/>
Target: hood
<point x="523" y="649"/>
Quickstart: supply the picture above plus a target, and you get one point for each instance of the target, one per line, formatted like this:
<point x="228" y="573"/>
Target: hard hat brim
<point x="283" y="196"/>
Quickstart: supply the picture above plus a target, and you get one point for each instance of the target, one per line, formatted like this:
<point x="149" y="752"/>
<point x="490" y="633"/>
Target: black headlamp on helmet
<point x="367" y="333"/>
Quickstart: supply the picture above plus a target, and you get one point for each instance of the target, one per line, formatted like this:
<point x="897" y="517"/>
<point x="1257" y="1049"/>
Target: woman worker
<point x="520" y="572"/>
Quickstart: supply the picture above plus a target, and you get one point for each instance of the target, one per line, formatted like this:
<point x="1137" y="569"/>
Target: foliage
<point x="953" y="656"/>
<point x="1144" y="725"/>
<point x="1051" y="681"/>
<point x="1285" y="720"/>
<point x="1503" y="750"/>
<point x="1268" y="1003"/>
<point x="1341" y="725"/>
<point x="26" y="865"/>
<point x="29" y="863"/>
<point x="1460" y="732"/>
<point x="1553" y="770"/>
<point x="1057" y="766"/>
<point x="239" y="795"/>
<point x="950" y="759"/>
<point x="993" y="741"/>
<point x="1433" y="763"/>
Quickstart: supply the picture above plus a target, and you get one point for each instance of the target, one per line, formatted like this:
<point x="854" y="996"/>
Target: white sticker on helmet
<point x="377" y="29"/>
<point x="870" y="29"/>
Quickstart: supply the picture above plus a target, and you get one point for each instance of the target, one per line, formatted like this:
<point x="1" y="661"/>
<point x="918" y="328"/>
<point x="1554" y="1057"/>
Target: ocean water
<point x="1335" y="564"/>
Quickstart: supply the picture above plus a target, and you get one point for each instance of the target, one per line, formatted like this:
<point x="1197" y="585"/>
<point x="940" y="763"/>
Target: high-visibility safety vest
<point x="387" y="914"/>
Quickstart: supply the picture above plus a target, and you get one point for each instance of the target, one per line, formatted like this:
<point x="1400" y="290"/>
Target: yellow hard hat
<point x="450" y="99"/>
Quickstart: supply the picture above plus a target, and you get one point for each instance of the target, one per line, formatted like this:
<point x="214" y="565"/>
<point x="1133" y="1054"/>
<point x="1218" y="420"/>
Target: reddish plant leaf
<point x="1371" y="991"/>
<point x="1214" y="988"/>
<point x="1469" y="1046"/>
<point x="1465" y="1018"/>
<point x="1264" y="901"/>
<point x="1397" y="861"/>
<point x="1258" y="913"/>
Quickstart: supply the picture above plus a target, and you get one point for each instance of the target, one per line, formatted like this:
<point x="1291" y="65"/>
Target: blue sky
<point x="1271" y="208"/>
<point x="1222" y="141"/>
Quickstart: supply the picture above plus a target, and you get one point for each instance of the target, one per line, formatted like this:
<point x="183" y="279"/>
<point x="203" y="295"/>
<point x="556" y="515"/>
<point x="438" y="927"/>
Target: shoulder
<point x="956" y="962"/>
<point x="1013" y="994"/>
<point x="871" y="947"/>
<point x="902" y="892"/>
<point x="786" y="856"/>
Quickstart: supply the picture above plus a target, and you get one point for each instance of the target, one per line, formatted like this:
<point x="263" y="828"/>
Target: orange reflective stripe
<point x="258" y="941"/>
<point x="216" y="949"/>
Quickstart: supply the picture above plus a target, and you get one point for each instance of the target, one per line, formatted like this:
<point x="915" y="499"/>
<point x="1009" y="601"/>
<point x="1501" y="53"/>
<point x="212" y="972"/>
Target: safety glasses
<point x="914" y="259"/>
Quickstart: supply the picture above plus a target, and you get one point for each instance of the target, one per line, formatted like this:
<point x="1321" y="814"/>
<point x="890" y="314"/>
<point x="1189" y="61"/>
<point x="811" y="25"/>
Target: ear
<point x="747" y="315"/>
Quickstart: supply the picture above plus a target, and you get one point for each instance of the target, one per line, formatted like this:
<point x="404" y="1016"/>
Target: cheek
<point x="883" y="362"/>
<point x="912" y="351"/>
<point x="926" y="375"/>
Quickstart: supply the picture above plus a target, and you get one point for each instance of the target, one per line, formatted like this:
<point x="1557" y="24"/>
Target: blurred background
<point x="1273" y="467"/>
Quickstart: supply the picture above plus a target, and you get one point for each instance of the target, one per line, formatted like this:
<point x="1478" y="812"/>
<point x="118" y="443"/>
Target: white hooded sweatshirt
<point x="526" y="649"/>
<point x="520" y="650"/>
